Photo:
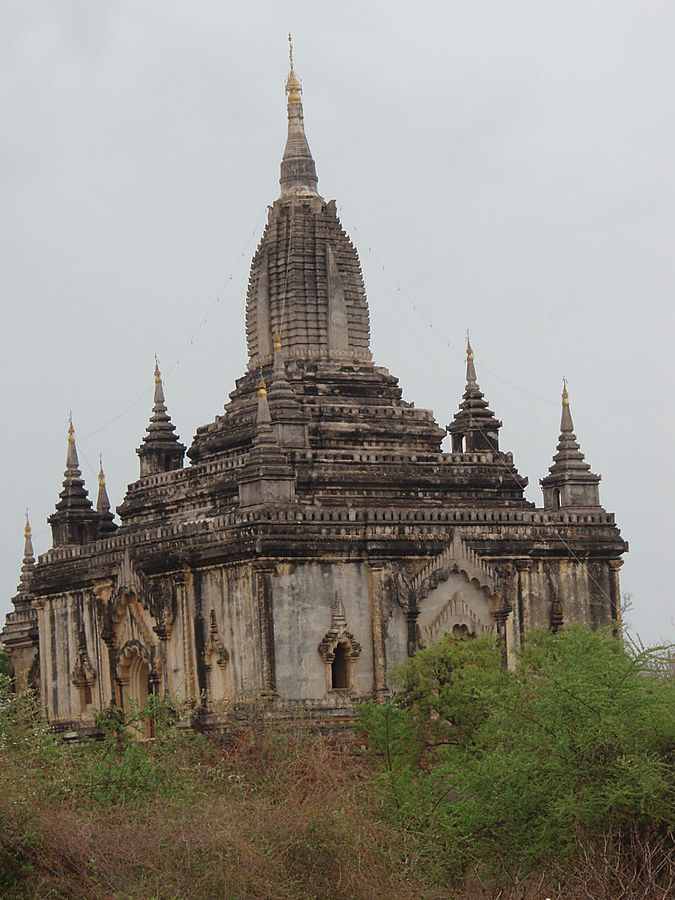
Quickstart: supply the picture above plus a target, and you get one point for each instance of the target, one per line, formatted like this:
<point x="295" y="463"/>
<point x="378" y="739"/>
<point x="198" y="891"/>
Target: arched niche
<point x="457" y="605"/>
<point x="136" y="678"/>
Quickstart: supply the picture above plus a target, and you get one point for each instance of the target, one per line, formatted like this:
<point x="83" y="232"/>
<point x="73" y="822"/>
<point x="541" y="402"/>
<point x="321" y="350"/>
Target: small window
<point x="339" y="676"/>
<point x="556" y="498"/>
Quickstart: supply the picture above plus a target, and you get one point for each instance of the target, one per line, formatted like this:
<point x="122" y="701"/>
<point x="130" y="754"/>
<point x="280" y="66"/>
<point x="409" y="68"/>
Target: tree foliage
<point x="507" y="772"/>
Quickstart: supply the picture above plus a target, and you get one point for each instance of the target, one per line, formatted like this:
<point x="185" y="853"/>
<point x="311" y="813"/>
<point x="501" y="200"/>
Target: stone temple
<point x="318" y="534"/>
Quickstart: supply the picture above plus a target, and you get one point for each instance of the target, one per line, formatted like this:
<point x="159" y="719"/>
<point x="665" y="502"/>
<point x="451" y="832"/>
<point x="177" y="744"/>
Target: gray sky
<point x="504" y="166"/>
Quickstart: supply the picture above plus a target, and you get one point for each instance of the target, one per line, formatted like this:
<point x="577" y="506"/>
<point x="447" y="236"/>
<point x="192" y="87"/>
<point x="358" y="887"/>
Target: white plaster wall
<point x="232" y="593"/>
<point x="302" y="598"/>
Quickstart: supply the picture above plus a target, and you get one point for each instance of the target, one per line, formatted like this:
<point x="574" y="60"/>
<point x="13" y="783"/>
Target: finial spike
<point x="71" y="430"/>
<point x="158" y="375"/>
<point x="469" y="349"/>
<point x="290" y="49"/>
<point x="276" y="340"/>
<point x="27" y="530"/>
<point x="565" y="395"/>
<point x="262" y="387"/>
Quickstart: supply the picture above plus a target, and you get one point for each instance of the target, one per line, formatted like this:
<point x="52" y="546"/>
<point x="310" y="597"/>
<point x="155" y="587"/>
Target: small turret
<point x="161" y="450"/>
<point x="75" y="520"/>
<point x="475" y="426"/>
<point x="28" y="566"/>
<point x="20" y="633"/>
<point x="267" y="478"/>
<point x="107" y="525"/>
<point x="570" y="482"/>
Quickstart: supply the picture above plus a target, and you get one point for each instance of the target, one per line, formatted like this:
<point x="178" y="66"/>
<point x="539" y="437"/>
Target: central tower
<point x="305" y="282"/>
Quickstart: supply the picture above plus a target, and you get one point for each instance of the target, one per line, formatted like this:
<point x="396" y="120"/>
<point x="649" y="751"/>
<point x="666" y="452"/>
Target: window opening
<point x="339" y="668"/>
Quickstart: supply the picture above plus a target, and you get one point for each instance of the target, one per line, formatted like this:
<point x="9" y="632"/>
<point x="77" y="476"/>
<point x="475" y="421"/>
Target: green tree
<point x="515" y="768"/>
<point x="4" y="660"/>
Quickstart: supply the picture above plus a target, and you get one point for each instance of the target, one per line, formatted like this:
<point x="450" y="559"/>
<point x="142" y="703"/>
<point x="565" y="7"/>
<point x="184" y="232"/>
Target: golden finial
<point x="158" y="377"/>
<point x="469" y="350"/>
<point x="293" y="86"/>
<point x="262" y="387"/>
<point x="101" y="476"/>
<point x="276" y="340"/>
<point x="27" y="532"/>
<point x="565" y="395"/>
<point x="71" y="430"/>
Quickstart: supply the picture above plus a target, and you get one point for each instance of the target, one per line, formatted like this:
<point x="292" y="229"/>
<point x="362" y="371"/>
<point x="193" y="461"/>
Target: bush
<point x="516" y="771"/>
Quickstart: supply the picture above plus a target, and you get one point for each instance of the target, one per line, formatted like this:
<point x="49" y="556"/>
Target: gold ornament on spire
<point x="293" y="86"/>
<point x="276" y="340"/>
<point x="158" y="376"/>
<point x="27" y="532"/>
<point x="469" y="350"/>
<point x="101" y="476"/>
<point x="565" y="395"/>
<point x="262" y="387"/>
<point x="71" y="430"/>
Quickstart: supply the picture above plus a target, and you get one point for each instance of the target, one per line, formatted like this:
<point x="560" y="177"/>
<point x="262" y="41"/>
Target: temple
<point x="317" y="533"/>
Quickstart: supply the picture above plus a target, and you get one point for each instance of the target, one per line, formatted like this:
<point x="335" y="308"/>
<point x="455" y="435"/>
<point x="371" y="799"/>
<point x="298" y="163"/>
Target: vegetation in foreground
<point x="556" y="780"/>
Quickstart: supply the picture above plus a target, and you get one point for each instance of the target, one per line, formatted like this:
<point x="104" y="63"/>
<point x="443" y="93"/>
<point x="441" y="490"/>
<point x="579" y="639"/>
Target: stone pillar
<point x="263" y="576"/>
<point x="377" y="628"/>
<point x="183" y="587"/>
<point x="521" y="612"/>
<point x="615" y="594"/>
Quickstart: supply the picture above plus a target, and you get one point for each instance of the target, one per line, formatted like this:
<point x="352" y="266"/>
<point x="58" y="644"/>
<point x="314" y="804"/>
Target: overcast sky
<point x="505" y="167"/>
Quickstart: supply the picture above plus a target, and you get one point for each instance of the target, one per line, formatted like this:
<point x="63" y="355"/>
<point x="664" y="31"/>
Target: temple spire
<point x="161" y="450"/>
<point x="74" y="521"/>
<point x="28" y="560"/>
<point x="107" y="526"/>
<point x="570" y="482"/>
<point x="475" y="426"/>
<point x="298" y="172"/>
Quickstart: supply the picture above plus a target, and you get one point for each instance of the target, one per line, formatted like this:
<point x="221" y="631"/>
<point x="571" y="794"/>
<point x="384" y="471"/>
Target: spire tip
<point x="469" y="349"/>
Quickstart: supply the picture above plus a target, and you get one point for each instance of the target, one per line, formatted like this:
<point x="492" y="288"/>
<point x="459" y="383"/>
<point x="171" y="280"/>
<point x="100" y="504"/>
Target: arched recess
<point x="340" y="651"/>
<point x="136" y="677"/>
<point x="456" y="593"/>
<point x="216" y="660"/>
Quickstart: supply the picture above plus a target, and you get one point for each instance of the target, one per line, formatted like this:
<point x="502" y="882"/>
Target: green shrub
<point x="514" y="769"/>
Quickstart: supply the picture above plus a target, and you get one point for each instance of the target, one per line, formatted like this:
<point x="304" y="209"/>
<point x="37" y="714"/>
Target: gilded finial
<point x="27" y="532"/>
<point x="158" y="376"/>
<point x="71" y="430"/>
<point x="565" y="395"/>
<point x="262" y="387"/>
<point x="293" y="86"/>
<point x="469" y="350"/>
<point x="276" y="340"/>
<point x="101" y="476"/>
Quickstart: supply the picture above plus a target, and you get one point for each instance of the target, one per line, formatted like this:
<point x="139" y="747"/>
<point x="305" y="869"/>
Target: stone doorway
<point x="135" y="672"/>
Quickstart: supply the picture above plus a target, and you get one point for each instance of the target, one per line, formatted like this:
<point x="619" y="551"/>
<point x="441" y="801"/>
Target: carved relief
<point x="83" y="674"/>
<point x="216" y="659"/>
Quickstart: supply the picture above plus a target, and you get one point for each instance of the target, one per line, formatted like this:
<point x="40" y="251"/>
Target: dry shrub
<point x="283" y="815"/>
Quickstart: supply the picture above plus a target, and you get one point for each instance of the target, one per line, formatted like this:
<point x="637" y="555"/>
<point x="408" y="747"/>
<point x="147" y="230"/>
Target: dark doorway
<point x="339" y="668"/>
